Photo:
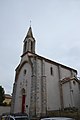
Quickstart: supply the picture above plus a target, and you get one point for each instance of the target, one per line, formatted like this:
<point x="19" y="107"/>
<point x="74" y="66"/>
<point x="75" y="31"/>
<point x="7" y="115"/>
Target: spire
<point x="29" y="42"/>
<point x="29" y="33"/>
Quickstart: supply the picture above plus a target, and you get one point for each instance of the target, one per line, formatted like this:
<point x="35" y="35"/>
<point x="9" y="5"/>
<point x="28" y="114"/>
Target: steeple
<point x="29" y="42"/>
<point x="29" y="33"/>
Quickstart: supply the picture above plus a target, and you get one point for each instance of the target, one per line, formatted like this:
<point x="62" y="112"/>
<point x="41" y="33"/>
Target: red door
<point x="23" y="103"/>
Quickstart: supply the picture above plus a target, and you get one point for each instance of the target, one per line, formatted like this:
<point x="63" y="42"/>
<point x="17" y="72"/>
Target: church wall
<point x="71" y="95"/>
<point x="24" y="58"/>
<point x="40" y="87"/>
<point x="23" y="81"/>
<point x="53" y="94"/>
<point x="67" y="97"/>
<point x="65" y="72"/>
<point x="68" y="100"/>
<point x="43" y="72"/>
<point x="76" y="93"/>
<point x="17" y="101"/>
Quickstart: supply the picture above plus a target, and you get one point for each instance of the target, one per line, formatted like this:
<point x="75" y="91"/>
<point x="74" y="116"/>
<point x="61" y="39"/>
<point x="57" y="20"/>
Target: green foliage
<point x="2" y="95"/>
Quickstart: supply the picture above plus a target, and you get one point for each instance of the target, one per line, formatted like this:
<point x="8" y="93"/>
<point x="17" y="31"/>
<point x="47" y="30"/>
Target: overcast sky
<point x="56" y="28"/>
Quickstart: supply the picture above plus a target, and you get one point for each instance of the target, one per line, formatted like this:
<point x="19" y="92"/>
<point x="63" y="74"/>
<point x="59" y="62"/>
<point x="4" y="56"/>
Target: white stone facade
<point x="42" y="85"/>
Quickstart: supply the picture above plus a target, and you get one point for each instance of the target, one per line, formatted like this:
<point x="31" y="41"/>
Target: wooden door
<point x="23" y="103"/>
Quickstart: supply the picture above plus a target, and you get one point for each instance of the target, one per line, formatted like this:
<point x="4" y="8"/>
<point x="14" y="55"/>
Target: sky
<point x="56" y="28"/>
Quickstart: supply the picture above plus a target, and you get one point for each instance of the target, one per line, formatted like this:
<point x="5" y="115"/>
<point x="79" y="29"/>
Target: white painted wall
<point x="53" y="95"/>
<point x="24" y="81"/>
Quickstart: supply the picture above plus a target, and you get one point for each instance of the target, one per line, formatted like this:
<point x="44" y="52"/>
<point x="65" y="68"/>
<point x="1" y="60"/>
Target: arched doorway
<point x="23" y="100"/>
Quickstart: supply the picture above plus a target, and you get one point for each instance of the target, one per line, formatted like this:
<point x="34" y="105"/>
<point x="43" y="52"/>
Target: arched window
<point x="51" y="70"/>
<point x="24" y="71"/>
<point x="25" y="46"/>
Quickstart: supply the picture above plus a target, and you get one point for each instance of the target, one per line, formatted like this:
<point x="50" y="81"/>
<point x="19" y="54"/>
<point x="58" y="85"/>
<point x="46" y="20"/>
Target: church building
<point x="42" y="85"/>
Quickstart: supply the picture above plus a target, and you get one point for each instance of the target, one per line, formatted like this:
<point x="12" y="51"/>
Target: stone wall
<point x="4" y="109"/>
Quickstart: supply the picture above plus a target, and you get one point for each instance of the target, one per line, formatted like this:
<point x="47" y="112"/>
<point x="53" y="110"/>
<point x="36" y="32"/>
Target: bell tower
<point x="29" y="42"/>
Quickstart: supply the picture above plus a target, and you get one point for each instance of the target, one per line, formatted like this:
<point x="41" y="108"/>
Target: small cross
<point x="30" y="23"/>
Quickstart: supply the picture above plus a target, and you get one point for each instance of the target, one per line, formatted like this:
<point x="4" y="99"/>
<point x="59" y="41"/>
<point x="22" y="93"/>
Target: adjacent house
<point x="8" y="99"/>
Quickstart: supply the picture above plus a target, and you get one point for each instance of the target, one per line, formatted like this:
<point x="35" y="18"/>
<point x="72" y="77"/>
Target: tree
<point x="2" y="95"/>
